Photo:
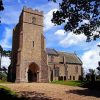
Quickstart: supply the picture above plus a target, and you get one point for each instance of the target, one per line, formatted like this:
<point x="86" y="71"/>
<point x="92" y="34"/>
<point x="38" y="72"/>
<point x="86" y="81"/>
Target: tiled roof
<point x="51" y="51"/>
<point x="70" y="58"/>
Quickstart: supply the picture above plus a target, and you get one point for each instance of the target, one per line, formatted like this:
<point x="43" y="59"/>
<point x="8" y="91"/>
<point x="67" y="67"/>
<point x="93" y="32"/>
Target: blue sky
<point x="55" y="36"/>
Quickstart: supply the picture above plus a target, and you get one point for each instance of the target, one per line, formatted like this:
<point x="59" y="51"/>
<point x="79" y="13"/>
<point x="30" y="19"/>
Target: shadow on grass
<point x="7" y="95"/>
<point x="85" y="92"/>
<point x="24" y="95"/>
<point x="92" y="85"/>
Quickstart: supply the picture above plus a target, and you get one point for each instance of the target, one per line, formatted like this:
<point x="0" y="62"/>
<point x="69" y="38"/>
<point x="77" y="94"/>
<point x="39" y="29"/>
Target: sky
<point x="55" y="36"/>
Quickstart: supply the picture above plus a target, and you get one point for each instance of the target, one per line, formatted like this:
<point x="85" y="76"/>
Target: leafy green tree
<point x="92" y="74"/>
<point x="1" y="7"/>
<point x="1" y="50"/>
<point x="6" y="53"/>
<point x="73" y="13"/>
<point x="98" y="68"/>
<point x="88" y="77"/>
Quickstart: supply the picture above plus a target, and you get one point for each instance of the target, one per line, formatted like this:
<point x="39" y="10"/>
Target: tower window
<point x="33" y="20"/>
<point x="33" y="43"/>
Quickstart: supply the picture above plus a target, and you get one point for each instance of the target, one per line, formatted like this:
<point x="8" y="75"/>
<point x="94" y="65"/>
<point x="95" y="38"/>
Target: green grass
<point x="3" y="81"/>
<point x="70" y="83"/>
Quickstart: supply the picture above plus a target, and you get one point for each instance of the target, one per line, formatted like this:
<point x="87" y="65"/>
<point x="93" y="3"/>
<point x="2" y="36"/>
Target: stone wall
<point x="66" y="71"/>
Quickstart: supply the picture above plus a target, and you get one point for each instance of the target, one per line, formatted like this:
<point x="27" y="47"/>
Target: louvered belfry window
<point x="33" y="43"/>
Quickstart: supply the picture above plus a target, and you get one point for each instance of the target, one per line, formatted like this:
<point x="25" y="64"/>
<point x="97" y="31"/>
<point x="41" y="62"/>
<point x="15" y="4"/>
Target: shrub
<point x="3" y="76"/>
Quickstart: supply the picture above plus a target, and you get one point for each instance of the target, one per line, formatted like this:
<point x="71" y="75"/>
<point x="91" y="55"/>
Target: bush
<point x="81" y="78"/>
<point x="3" y="76"/>
<point x="92" y="85"/>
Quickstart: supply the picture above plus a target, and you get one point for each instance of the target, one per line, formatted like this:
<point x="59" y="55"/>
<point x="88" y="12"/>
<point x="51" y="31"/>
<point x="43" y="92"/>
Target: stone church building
<point x="31" y="60"/>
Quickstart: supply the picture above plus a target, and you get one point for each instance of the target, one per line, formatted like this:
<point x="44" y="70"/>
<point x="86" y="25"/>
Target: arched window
<point x="56" y="71"/>
<point x="73" y="77"/>
<point x="33" y="20"/>
<point x="70" y="77"/>
<point x="64" y="77"/>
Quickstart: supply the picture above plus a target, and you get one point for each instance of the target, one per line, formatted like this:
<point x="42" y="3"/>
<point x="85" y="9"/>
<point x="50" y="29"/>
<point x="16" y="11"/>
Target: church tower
<point x="29" y="58"/>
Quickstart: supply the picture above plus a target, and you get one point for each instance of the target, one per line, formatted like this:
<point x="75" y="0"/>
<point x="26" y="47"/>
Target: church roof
<point x="51" y="51"/>
<point x="70" y="58"/>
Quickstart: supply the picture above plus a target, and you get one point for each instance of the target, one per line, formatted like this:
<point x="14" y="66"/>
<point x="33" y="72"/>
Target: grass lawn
<point x="70" y="83"/>
<point x="2" y="81"/>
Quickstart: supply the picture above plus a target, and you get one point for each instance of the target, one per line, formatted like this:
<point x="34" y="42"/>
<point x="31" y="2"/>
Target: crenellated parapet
<point x="30" y="10"/>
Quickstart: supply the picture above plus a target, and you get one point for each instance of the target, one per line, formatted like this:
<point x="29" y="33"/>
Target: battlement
<point x="30" y="10"/>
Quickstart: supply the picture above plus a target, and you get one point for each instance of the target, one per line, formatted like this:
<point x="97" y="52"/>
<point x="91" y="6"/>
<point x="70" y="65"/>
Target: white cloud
<point x="90" y="58"/>
<point x="47" y="7"/>
<point x="72" y="39"/>
<point x="6" y="37"/>
<point x="10" y="15"/>
<point x="13" y="16"/>
<point x="47" y="20"/>
<point x="83" y="22"/>
<point x="60" y="33"/>
<point x="5" y="61"/>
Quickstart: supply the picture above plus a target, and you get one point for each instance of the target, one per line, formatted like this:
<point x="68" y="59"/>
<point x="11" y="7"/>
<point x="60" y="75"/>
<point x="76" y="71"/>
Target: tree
<point x="1" y="50"/>
<point x="92" y="74"/>
<point x="74" y="13"/>
<point x="98" y="68"/>
<point x="88" y="77"/>
<point x="6" y="53"/>
<point x="1" y="6"/>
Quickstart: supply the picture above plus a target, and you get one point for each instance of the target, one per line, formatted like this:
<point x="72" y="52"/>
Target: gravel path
<point x="47" y="91"/>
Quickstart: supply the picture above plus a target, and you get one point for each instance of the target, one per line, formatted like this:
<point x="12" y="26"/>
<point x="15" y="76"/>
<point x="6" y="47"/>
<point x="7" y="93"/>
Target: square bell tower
<point x="29" y="58"/>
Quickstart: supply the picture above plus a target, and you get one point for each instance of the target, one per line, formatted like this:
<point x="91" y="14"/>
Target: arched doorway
<point x="33" y="73"/>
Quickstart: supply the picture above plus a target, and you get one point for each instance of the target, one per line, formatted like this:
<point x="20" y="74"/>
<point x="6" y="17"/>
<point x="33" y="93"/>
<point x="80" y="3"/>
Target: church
<point x="31" y="61"/>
